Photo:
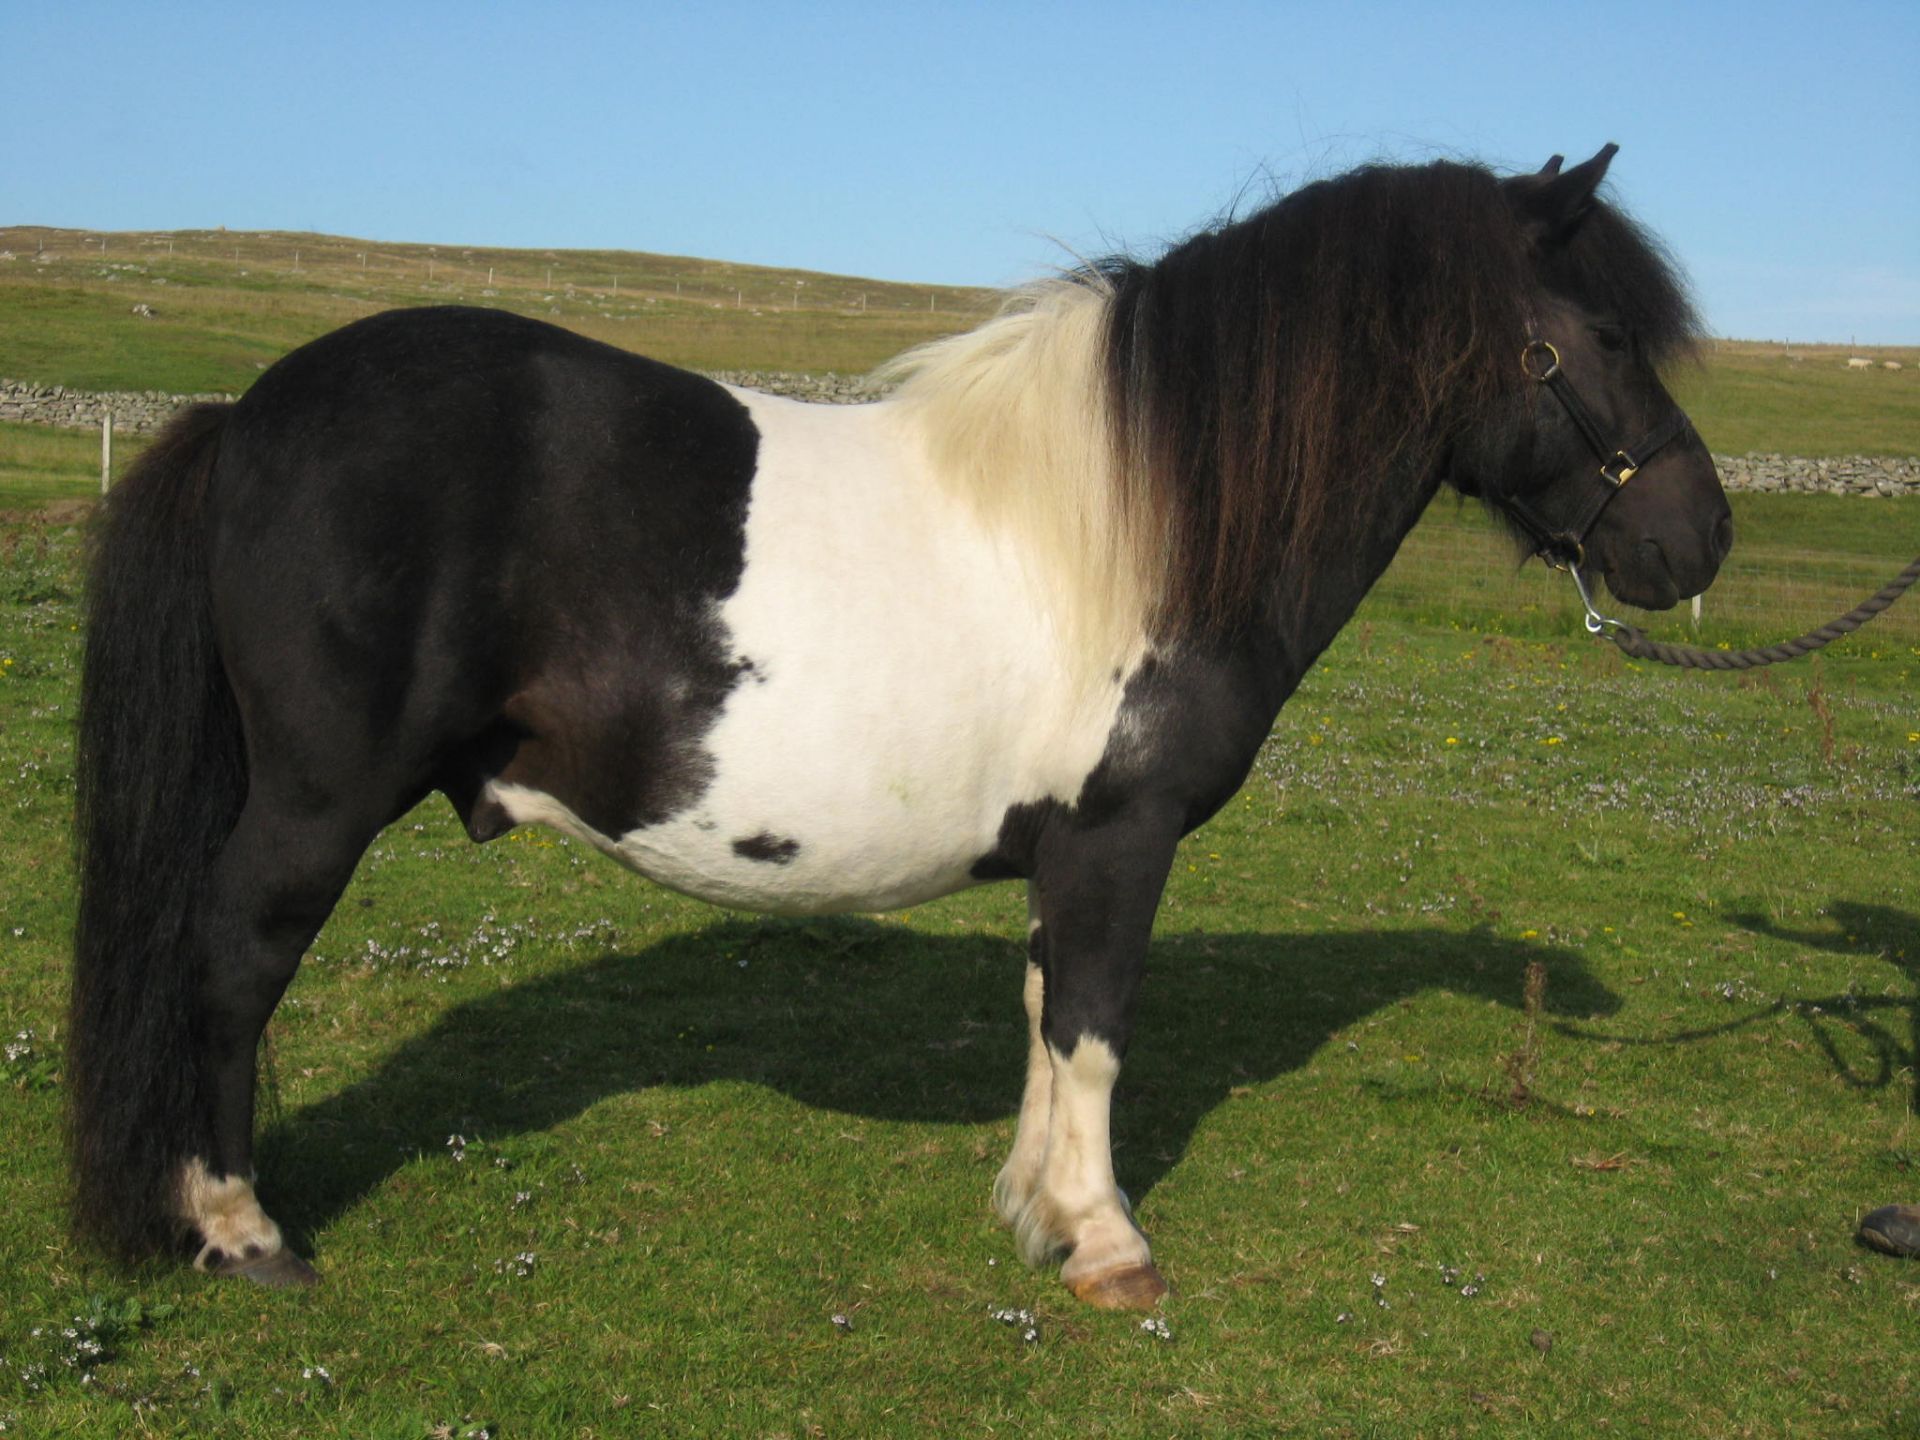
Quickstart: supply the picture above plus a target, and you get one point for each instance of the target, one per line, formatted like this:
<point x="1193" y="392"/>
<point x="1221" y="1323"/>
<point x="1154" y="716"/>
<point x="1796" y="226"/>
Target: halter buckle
<point x="1620" y="469"/>
<point x="1563" y="553"/>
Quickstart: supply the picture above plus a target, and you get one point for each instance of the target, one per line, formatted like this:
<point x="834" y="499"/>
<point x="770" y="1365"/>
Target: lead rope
<point x="1634" y="642"/>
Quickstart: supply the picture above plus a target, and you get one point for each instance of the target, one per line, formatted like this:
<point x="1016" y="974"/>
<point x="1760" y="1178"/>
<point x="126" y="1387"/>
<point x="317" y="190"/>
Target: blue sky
<point x="1776" y="147"/>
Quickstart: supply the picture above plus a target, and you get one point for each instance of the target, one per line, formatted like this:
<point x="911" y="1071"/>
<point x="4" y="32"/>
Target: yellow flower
<point x="1455" y="739"/>
<point x="1529" y="934"/>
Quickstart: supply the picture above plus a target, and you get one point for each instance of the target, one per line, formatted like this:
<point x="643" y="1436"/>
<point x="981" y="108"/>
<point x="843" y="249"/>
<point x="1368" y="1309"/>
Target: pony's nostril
<point x="1723" y="538"/>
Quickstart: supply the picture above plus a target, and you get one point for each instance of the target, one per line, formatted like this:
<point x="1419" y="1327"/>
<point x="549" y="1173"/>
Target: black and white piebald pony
<point x="1030" y="618"/>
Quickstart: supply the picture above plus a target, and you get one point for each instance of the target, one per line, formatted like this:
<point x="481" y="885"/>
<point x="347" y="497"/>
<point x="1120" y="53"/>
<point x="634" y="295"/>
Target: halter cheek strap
<point x="1560" y="521"/>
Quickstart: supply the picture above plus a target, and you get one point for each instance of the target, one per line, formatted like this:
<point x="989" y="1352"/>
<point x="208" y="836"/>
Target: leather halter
<point x="1560" y="520"/>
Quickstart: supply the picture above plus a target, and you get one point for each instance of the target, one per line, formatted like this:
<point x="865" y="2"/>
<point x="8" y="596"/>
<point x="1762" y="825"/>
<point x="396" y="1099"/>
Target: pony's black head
<point x="1287" y="386"/>
<point x="1558" y="456"/>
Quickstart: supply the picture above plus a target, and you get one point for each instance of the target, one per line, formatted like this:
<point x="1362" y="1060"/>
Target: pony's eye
<point x="1611" y="337"/>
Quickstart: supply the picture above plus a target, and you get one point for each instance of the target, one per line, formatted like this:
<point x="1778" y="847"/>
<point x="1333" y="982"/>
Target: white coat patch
<point x="908" y="685"/>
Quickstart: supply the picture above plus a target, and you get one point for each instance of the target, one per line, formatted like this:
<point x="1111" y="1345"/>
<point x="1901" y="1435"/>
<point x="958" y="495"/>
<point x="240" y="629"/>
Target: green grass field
<point x="40" y="465"/>
<point x="691" y="1139"/>
<point x="579" y="1157"/>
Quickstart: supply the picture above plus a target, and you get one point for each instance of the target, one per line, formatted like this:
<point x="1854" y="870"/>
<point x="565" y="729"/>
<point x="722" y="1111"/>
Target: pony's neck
<point x="1313" y="595"/>
<point x="1156" y="513"/>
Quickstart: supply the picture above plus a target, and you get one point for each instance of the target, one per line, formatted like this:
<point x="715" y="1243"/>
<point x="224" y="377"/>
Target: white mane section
<point x="1014" y="419"/>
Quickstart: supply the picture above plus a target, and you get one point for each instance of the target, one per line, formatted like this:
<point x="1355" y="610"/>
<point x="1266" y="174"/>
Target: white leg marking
<point x="1020" y="1176"/>
<point x="1077" y="1209"/>
<point x="231" y="1223"/>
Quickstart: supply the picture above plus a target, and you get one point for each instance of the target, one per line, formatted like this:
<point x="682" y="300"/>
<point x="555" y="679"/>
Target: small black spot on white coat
<point x="768" y="848"/>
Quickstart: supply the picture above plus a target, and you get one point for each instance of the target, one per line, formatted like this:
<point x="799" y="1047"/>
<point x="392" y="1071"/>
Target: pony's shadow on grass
<point x="879" y="1021"/>
<point x="1871" y="932"/>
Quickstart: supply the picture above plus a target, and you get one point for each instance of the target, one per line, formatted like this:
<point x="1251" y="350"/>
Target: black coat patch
<point x="768" y="848"/>
<point x="497" y="550"/>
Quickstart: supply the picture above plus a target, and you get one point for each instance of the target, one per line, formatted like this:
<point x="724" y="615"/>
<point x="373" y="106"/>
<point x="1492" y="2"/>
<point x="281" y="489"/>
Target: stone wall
<point x="141" y="412"/>
<point x="135" y="412"/>
<point x="826" y="389"/>
<point x="1841" y="475"/>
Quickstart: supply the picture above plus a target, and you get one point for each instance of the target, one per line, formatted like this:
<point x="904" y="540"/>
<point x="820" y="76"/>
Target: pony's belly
<point x="837" y="862"/>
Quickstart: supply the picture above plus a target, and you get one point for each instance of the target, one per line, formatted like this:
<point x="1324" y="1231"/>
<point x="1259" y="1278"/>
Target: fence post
<point x="106" y="451"/>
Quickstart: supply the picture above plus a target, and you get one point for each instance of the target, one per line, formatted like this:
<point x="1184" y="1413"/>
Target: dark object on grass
<point x="1893" y="1229"/>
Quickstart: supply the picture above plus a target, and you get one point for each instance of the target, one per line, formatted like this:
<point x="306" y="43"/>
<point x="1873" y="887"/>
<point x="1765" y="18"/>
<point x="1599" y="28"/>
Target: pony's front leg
<point x="1013" y="1187"/>
<point x="1094" y="896"/>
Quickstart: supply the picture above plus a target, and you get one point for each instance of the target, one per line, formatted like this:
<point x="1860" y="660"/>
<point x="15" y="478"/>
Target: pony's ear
<point x="1552" y="167"/>
<point x="1551" y="204"/>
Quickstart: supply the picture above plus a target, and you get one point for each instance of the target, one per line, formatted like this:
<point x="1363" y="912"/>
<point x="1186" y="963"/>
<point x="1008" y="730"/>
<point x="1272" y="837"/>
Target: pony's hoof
<point x="282" y="1270"/>
<point x="1131" y="1287"/>
<point x="1894" y="1229"/>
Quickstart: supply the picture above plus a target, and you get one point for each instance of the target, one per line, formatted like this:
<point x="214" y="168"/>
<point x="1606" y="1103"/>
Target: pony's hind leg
<point x="1096" y="897"/>
<point x="270" y="890"/>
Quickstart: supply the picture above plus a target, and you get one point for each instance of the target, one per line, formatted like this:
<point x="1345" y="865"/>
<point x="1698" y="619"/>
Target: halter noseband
<point x="1560" y="523"/>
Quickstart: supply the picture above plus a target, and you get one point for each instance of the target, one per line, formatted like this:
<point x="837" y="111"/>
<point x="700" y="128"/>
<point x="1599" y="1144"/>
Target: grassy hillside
<point x="1804" y="400"/>
<point x="226" y="305"/>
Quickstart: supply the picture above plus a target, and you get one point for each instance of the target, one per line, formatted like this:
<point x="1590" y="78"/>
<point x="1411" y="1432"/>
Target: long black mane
<point x="1265" y="372"/>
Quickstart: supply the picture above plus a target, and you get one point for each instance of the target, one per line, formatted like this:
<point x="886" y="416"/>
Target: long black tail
<point x="160" y="777"/>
